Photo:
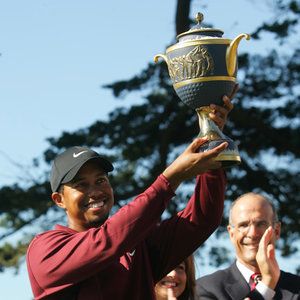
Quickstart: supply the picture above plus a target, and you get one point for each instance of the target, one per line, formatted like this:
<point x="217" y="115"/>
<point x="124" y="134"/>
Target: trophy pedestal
<point x="228" y="157"/>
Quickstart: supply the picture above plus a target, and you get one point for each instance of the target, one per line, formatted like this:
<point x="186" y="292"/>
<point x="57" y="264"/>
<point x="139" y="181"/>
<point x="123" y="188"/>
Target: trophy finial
<point x="199" y="17"/>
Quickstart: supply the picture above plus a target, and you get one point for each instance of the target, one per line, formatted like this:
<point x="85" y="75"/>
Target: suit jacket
<point x="229" y="284"/>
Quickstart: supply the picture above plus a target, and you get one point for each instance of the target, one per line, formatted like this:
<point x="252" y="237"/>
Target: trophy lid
<point x="198" y="32"/>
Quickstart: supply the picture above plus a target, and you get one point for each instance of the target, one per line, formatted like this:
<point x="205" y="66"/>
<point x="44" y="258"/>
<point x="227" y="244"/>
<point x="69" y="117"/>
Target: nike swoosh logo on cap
<point x="79" y="153"/>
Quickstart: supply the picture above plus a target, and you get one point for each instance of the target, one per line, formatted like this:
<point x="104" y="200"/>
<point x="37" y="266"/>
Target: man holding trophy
<point x="123" y="256"/>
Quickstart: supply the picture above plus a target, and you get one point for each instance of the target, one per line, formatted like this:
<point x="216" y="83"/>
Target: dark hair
<point x="189" y="292"/>
<point x="61" y="189"/>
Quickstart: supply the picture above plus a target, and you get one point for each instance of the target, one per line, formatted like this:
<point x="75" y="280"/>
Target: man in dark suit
<point x="253" y="229"/>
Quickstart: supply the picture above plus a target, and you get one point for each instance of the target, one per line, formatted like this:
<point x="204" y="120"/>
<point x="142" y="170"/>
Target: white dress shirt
<point x="264" y="290"/>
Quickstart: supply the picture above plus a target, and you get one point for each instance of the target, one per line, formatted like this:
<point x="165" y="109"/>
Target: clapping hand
<point x="266" y="259"/>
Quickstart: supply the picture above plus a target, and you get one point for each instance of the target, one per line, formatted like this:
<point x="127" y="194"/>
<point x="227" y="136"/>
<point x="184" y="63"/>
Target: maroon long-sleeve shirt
<point x="131" y="251"/>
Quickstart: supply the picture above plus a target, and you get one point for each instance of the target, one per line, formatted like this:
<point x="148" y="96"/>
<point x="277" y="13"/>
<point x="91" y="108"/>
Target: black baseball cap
<point x="67" y="164"/>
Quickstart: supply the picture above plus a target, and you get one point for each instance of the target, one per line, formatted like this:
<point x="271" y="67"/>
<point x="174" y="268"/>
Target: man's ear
<point x="58" y="199"/>
<point x="230" y="231"/>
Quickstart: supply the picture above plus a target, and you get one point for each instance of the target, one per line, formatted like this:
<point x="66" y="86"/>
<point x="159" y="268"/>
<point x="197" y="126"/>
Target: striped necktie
<point x="255" y="278"/>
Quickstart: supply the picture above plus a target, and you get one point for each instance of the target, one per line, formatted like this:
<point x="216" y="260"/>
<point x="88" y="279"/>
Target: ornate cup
<point x="203" y="68"/>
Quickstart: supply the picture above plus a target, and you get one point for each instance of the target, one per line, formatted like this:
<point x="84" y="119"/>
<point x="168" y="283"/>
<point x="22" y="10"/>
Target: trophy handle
<point x="164" y="57"/>
<point x="231" y="53"/>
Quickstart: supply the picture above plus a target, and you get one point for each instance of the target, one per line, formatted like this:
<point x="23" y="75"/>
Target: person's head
<point x="80" y="186"/>
<point x="181" y="280"/>
<point x="250" y="215"/>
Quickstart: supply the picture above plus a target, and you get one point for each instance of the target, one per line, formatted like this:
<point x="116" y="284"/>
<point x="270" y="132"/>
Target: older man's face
<point x="250" y="217"/>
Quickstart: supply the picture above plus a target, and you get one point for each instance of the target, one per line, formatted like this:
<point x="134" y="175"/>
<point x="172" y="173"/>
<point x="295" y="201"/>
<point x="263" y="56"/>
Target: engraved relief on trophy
<point x="196" y="63"/>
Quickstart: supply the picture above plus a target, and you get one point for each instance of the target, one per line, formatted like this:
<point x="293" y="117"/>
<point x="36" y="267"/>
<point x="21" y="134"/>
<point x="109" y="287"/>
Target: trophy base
<point x="228" y="157"/>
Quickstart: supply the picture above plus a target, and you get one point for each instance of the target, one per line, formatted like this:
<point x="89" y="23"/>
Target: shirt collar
<point x="244" y="270"/>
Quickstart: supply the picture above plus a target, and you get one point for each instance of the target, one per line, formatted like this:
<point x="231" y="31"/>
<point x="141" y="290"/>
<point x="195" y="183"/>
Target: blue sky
<point x="57" y="55"/>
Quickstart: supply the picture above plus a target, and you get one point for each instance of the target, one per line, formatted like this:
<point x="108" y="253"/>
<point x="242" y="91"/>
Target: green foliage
<point x="11" y="256"/>
<point x="218" y="256"/>
<point x="19" y="207"/>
